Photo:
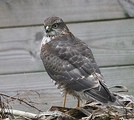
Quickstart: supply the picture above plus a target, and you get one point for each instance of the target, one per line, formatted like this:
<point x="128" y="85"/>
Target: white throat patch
<point x="45" y="40"/>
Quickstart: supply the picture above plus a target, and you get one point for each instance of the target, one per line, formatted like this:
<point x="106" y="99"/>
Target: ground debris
<point x="89" y="111"/>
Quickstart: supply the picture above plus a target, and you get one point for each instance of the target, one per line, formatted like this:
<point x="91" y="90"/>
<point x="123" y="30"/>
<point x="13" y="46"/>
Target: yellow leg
<point x="78" y="103"/>
<point x="64" y="100"/>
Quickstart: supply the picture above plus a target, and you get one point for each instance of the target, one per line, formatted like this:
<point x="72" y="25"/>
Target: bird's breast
<point x="45" y="40"/>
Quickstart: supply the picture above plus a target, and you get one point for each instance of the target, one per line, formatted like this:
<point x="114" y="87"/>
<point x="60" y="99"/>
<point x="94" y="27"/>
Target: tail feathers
<point x="96" y="97"/>
<point x="102" y="95"/>
<point x="110" y="99"/>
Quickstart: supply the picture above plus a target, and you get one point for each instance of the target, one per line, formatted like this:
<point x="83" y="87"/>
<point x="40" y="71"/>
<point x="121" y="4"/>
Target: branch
<point x="19" y="113"/>
<point x="14" y="98"/>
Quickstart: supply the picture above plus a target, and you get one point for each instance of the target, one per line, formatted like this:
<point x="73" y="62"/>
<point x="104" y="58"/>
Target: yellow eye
<point x="55" y="25"/>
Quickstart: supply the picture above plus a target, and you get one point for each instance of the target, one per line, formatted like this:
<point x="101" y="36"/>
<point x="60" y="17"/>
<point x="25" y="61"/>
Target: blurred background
<point x="107" y="26"/>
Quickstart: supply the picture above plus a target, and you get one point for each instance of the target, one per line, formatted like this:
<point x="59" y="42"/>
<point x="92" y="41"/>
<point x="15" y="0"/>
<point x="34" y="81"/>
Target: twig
<point x="14" y="98"/>
<point x="19" y="113"/>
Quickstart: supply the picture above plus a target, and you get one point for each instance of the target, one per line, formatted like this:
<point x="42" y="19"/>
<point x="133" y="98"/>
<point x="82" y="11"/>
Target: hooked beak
<point x="48" y="29"/>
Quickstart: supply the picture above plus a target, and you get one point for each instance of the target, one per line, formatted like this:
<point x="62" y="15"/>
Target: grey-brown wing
<point x="70" y="68"/>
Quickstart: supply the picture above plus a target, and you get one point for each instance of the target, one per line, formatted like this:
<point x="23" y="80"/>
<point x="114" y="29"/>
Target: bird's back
<point x="70" y="63"/>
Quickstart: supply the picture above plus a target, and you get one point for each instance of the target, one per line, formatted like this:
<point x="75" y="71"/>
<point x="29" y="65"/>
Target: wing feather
<point x="73" y="66"/>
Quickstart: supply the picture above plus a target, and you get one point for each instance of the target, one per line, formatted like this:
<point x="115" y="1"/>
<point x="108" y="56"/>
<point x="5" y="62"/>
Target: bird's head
<point x="55" y="26"/>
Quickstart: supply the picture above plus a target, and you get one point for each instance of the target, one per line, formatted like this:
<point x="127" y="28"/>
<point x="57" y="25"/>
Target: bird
<point x="71" y="65"/>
